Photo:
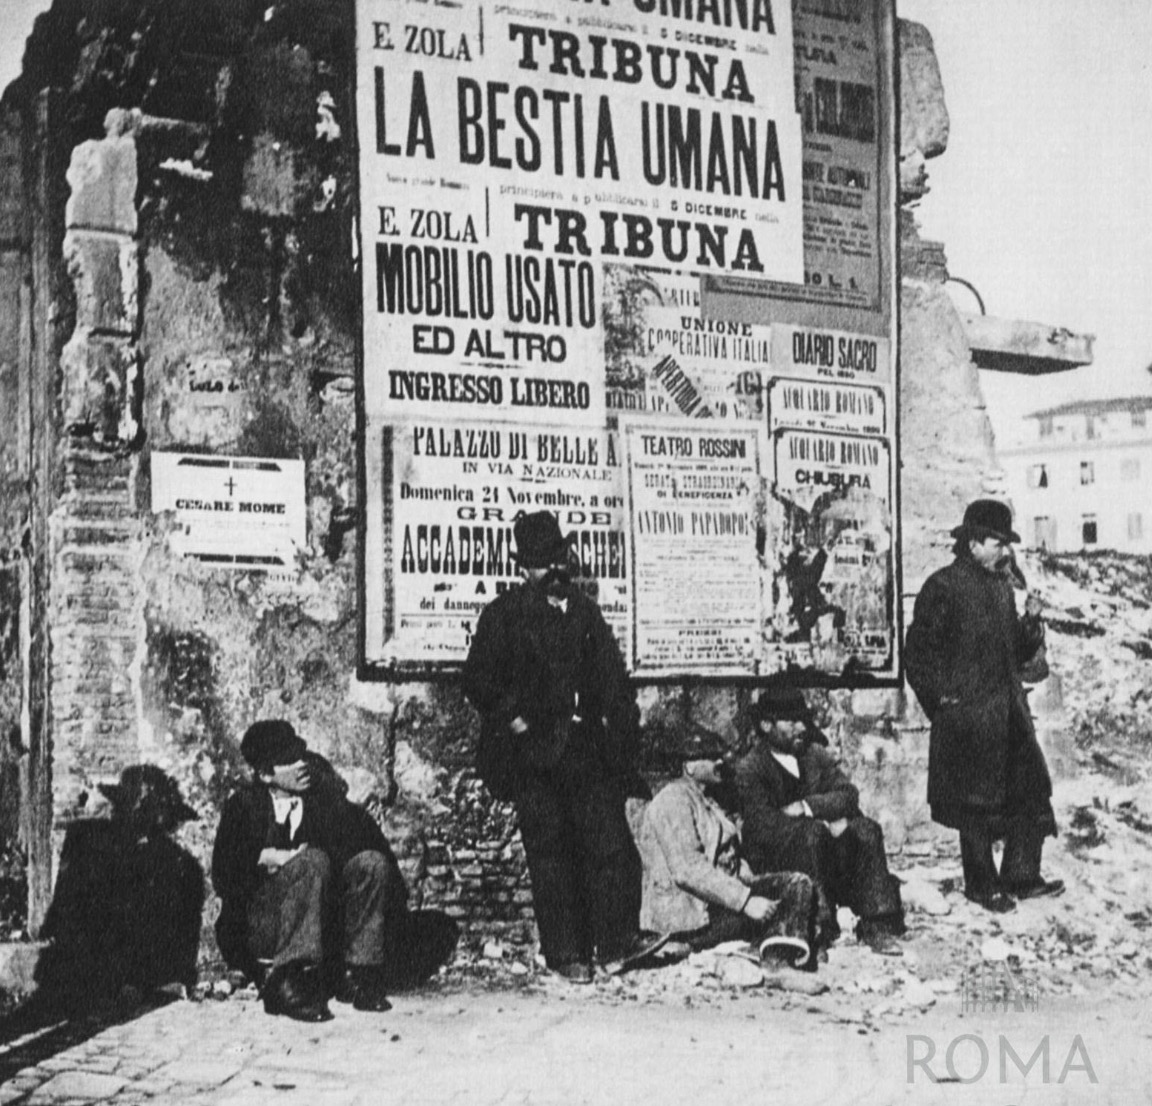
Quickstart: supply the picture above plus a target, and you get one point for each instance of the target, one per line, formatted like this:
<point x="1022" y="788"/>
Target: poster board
<point x="577" y="221"/>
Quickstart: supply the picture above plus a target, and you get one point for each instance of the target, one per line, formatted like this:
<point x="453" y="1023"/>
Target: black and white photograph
<point x="575" y="552"/>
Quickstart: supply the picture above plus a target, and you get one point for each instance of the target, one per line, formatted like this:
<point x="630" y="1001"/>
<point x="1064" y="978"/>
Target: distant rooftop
<point x="1095" y="407"/>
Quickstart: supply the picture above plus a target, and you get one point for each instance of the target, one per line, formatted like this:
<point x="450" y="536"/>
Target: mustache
<point x="556" y="577"/>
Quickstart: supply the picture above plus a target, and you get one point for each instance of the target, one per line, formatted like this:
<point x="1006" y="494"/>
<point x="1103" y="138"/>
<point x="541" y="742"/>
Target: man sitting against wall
<point x="800" y="811"/>
<point x="307" y="880"/>
<point x="700" y="889"/>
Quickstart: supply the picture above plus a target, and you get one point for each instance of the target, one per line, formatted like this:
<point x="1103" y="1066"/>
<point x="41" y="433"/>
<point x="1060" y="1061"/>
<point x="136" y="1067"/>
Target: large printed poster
<point x="454" y="494"/>
<point x="551" y="196"/>
<point x="509" y="152"/>
<point x="692" y="494"/>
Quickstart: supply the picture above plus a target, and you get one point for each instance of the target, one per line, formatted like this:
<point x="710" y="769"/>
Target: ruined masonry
<point x="175" y="274"/>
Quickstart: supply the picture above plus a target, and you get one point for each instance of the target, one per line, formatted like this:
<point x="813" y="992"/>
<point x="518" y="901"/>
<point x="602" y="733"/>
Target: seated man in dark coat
<point x="801" y="812"/>
<point x="700" y="889"/>
<point x="305" y="876"/>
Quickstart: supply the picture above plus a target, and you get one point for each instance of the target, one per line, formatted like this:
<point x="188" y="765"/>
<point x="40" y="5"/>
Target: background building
<point x="1081" y="482"/>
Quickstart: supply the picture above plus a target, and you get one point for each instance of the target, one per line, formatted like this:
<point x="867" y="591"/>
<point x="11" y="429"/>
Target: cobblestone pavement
<point x="552" y="1043"/>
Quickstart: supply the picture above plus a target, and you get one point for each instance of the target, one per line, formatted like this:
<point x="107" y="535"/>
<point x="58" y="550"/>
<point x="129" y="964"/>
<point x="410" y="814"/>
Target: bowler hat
<point x="780" y="704"/>
<point x="539" y="542"/>
<point x="270" y="742"/>
<point x="987" y="518"/>
<point x="787" y="704"/>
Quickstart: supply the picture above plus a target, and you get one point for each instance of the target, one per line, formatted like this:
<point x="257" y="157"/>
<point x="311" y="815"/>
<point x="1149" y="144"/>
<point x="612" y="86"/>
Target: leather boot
<point x="293" y="990"/>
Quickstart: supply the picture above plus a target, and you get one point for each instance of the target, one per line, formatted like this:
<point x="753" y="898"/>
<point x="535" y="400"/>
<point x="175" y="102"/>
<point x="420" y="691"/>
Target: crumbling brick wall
<point x="208" y="239"/>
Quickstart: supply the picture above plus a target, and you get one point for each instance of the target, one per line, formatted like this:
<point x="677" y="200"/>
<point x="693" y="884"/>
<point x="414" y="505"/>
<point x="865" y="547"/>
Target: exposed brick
<point x="99" y="375"/>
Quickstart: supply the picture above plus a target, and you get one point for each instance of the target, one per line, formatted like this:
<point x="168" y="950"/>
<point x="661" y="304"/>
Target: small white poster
<point x="237" y="512"/>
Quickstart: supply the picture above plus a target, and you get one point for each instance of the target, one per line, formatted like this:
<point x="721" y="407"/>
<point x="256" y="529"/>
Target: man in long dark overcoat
<point x="558" y="737"/>
<point x="986" y="772"/>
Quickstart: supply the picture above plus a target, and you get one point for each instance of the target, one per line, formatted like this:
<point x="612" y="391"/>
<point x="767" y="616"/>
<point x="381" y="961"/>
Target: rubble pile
<point x="1099" y="615"/>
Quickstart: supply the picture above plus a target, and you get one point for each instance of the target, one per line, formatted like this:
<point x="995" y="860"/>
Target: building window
<point x="1140" y="417"/>
<point x="1044" y="532"/>
<point x="1135" y="526"/>
<point x="1130" y="468"/>
<point x="1037" y="476"/>
<point x="1087" y="472"/>
<point x="1088" y="530"/>
<point x="1046" y="426"/>
<point x="1089" y="427"/>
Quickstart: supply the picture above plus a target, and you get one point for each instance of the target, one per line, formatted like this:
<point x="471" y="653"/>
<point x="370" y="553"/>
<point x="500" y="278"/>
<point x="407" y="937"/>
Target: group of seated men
<point x="313" y="899"/>
<point x="803" y="848"/>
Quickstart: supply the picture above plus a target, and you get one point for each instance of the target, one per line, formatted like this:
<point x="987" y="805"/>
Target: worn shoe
<point x="1036" y="888"/>
<point x="637" y="950"/>
<point x="879" y="937"/>
<point x="995" y="901"/>
<point x="363" y="987"/>
<point x="575" y="972"/>
<point x="293" y="991"/>
<point x="791" y="951"/>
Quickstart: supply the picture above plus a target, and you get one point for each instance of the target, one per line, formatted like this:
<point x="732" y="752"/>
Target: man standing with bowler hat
<point x="306" y="879"/>
<point x="558" y="738"/>
<point x="986" y="772"/>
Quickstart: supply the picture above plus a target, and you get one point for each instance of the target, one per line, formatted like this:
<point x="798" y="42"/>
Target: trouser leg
<point x="368" y="896"/>
<point x="553" y="867"/>
<point x="794" y="917"/>
<point x="610" y="868"/>
<point x="286" y="916"/>
<point x="1023" y="847"/>
<point x="723" y="925"/>
<point x="861" y="878"/>
<point x="980" y="876"/>
<point x="798" y="898"/>
<point x="775" y="842"/>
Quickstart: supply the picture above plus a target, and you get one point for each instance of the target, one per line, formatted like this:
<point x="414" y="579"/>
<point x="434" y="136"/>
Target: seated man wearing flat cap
<point x="306" y="878"/>
<point x="698" y="885"/>
<point x="800" y="811"/>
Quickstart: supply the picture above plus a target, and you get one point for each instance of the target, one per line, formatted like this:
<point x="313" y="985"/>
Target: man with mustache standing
<point x="986" y="772"/>
<point x="558" y="738"/>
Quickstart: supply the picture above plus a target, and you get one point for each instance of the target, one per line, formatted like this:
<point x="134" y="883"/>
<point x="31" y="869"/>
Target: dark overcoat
<point x="963" y="655"/>
<point x="330" y="822"/>
<point x="563" y="674"/>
